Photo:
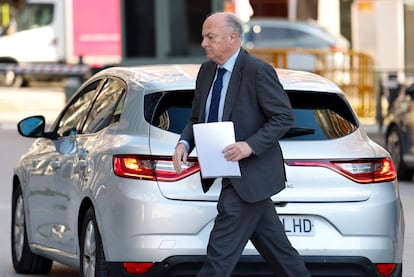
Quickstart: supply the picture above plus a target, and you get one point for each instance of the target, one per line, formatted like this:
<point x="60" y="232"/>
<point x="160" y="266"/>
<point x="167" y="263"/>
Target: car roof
<point x="306" y="81"/>
<point x="182" y="76"/>
<point x="151" y="78"/>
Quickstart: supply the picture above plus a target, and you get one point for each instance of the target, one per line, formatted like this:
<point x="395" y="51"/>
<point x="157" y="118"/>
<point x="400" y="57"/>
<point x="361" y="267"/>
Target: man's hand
<point x="180" y="156"/>
<point x="237" y="151"/>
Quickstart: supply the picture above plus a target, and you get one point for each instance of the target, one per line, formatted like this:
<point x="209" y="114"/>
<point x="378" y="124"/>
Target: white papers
<point x="210" y="140"/>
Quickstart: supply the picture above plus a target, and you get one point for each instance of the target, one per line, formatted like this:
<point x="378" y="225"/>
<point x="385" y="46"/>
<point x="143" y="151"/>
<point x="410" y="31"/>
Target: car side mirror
<point x="34" y="127"/>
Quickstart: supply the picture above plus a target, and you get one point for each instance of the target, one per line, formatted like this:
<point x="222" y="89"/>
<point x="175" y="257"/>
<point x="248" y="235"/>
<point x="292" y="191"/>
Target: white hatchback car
<point x="98" y="192"/>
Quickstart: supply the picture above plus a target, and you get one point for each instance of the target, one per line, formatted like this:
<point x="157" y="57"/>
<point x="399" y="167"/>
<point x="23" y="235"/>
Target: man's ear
<point x="233" y="35"/>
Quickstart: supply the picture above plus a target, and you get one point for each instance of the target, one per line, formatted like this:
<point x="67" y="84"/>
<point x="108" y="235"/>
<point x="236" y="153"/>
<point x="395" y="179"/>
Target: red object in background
<point x="96" y="28"/>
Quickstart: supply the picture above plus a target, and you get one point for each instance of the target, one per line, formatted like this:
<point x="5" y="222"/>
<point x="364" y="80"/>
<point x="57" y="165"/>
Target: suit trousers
<point x="237" y="222"/>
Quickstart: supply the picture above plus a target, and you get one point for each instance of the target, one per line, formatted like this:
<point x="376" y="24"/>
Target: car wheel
<point x="24" y="261"/>
<point x="13" y="80"/>
<point x="394" y="146"/>
<point x="92" y="253"/>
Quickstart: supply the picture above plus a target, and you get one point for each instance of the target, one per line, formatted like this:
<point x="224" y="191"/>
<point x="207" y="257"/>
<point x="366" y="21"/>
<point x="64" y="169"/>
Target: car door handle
<point x="56" y="164"/>
<point x="35" y="162"/>
<point x="82" y="154"/>
<point x="83" y="163"/>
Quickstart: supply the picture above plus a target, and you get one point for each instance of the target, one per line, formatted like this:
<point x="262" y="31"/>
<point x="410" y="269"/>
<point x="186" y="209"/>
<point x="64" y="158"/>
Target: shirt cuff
<point x="186" y="144"/>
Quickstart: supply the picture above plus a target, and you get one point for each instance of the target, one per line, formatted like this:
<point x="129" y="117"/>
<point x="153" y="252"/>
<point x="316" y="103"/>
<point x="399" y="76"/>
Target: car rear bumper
<point x="255" y="266"/>
<point x="153" y="228"/>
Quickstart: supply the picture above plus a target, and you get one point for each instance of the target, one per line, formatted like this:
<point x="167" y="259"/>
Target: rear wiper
<point x="298" y="131"/>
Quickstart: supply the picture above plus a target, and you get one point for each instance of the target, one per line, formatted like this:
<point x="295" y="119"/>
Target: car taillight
<point x="137" y="268"/>
<point x="152" y="167"/>
<point x="385" y="269"/>
<point x="362" y="171"/>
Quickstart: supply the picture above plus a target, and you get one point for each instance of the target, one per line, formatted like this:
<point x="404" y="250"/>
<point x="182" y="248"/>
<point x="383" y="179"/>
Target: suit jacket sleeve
<point x="275" y="104"/>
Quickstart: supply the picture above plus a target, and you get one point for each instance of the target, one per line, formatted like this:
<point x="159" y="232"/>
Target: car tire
<point x="9" y="78"/>
<point x="92" y="261"/>
<point x="394" y="146"/>
<point x="24" y="261"/>
<point x="13" y="80"/>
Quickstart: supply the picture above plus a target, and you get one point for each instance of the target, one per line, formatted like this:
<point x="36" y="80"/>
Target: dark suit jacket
<point x="261" y="113"/>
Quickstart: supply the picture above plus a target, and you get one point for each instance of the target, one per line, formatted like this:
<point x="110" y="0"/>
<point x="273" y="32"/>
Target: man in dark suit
<point x="252" y="97"/>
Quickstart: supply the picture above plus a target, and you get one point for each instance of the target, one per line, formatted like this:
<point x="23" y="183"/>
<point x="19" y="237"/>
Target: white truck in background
<point x="55" y="39"/>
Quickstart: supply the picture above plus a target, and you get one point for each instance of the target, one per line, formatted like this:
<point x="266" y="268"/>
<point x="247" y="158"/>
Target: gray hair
<point x="235" y="23"/>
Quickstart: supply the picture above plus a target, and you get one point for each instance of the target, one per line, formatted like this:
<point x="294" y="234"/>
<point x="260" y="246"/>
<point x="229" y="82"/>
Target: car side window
<point x="276" y="33"/>
<point x="107" y="107"/>
<point x="264" y="37"/>
<point x="169" y="110"/>
<point x="307" y="40"/>
<point x="75" y="114"/>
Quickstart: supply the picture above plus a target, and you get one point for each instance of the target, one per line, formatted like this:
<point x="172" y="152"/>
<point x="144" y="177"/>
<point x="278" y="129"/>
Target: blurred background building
<point x="101" y="33"/>
<point x="155" y="31"/>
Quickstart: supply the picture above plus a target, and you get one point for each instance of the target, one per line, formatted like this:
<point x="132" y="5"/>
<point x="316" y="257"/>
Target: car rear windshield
<point x="318" y="115"/>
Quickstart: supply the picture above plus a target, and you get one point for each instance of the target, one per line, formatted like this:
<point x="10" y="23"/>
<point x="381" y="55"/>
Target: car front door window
<point x="107" y="107"/>
<point x="76" y="113"/>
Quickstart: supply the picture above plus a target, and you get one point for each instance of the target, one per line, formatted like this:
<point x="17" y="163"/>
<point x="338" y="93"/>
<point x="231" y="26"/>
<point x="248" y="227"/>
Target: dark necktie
<point x="215" y="96"/>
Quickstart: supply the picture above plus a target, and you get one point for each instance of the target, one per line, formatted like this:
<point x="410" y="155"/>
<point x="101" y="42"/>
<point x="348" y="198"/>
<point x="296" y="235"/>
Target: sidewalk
<point x="16" y="104"/>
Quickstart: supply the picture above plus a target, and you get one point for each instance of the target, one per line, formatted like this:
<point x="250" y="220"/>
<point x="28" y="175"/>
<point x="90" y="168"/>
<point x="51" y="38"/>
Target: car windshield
<point x="34" y="15"/>
<point x="318" y="115"/>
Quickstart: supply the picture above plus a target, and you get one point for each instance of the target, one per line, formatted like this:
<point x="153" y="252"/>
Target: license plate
<point x="298" y="225"/>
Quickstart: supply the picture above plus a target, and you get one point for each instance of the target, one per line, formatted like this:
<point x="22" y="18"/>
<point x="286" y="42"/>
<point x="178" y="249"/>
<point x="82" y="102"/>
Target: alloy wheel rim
<point x="89" y="252"/>
<point x="18" y="228"/>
